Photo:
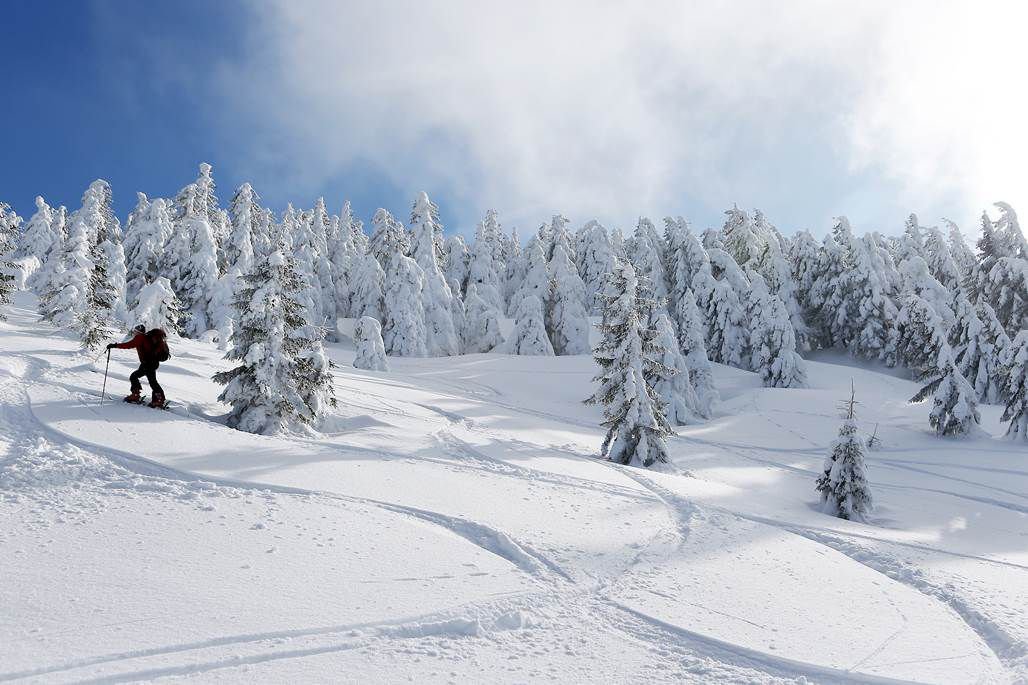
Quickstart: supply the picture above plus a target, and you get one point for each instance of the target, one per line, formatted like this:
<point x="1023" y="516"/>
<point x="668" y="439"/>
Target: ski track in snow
<point x="1008" y="649"/>
<point x="685" y="654"/>
<point x="489" y="539"/>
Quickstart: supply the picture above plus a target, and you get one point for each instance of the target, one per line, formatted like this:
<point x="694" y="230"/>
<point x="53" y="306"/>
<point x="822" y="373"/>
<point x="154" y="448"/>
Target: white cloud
<point x="944" y="113"/>
<point x="617" y="109"/>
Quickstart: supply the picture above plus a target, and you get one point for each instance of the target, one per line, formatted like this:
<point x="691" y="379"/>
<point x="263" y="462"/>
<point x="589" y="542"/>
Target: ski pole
<point x="103" y="392"/>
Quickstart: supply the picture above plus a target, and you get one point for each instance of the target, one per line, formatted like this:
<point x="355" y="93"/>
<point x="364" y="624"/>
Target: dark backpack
<point x="160" y="345"/>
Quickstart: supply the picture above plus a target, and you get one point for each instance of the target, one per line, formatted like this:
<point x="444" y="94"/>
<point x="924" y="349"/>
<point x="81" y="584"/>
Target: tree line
<point x="270" y="288"/>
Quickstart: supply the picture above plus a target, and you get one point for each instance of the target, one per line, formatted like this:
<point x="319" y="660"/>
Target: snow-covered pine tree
<point x="12" y="220"/>
<point x="264" y="238"/>
<point x="369" y="293"/>
<point x="768" y="234"/>
<point x="245" y="209"/>
<point x="536" y="281"/>
<point x="1006" y="291"/>
<point x="388" y="238"/>
<point x="148" y="231"/>
<point x="965" y="333"/>
<point x="673" y="384"/>
<point x="38" y="234"/>
<point x="617" y="242"/>
<point x="436" y="296"/>
<point x="98" y="213"/>
<point x="55" y="302"/>
<point x="246" y="229"/>
<point x="459" y="314"/>
<point x="114" y="258"/>
<point x="404" y="330"/>
<point x="306" y="253"/>
<point x="345" y="258"/>
<point x="984" y="364"/>
<point x="884" y="264"/>
<point x="595" y="261"/>
<point x="629" y="359"/>
<point x="51" y="262"/>
<point x="482" y="331"/>
<point x="361" y="240"/>
<point x="954" y="406"/>
<point x="1008" y="232"/>
<point x="484" y="270"/>
<point x="845" y="491"/>
<point x="456" y="262"/>
<point x="918" y="280"/>
<point x="158" y="307"/>
<point x="282" y="379"/>
<point x="842" y="301"/>
<point x="560" y="234"/>
<point x="686" y="257"/>
<point x="647" y="255"/>
<point x="869" y="314"/>
<point x="1016" y="411"/>
<point x="515" y="266"/>
<point x="221" y="307"/>
<point x="826" y="291"/>
<point x="529" y="334"/>
<point x="773" y="264"/>
<point x="911" y="243"/>
<point x="919" y="338"/>
<point x="80" y="296"/>
<point x="8" y="249"/>
<point x="60" y="223"/>
<point x="740" y="239"/>
<point x="962" y="255"/>
<point x="104" y="233"/>
<point x="371" y="356"/>
<point x="712" y="238"/>
<point x="676" y="268"/>
<point x="979" y="346"/>
<point x="237" y="249"/>
<point x="134" y="244"/>
<point x="501" y="243"/>
<point x="321" y="225"/>
<point x="691" y="342"/>
<point x="566" y="320"/>
<point x="805" y="259"/>
<point x="989" y="250"/>
<point x="205" y="199"/>
<point x="1000" y="275"/>
<point x="772" y="339"/>
<point x="191" y="258"/>
<point x="721" y="289"/>
<point x="940" y="260"/>
<point x="94" y="320"/>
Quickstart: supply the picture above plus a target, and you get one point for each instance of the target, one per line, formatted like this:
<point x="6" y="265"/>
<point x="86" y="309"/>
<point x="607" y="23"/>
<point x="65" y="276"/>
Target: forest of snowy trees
<point x="270" y="289"/>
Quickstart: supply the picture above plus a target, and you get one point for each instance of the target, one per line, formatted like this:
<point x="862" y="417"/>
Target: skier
<point x="152" y="349"/>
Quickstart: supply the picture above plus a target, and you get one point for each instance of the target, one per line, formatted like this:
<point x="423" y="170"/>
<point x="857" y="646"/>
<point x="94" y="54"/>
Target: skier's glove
<point x="110" y="345"/>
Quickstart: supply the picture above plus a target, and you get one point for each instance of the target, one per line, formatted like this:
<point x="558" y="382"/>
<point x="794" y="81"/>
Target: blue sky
<point x="117" y="90"/>
<point x="592" y="110"/>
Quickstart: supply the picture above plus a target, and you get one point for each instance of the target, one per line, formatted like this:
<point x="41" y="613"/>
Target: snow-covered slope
<point x="452" y="523"/>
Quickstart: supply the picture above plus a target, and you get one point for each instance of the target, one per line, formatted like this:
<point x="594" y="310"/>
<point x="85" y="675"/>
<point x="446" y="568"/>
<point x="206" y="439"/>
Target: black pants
<point x="151" y="377"/>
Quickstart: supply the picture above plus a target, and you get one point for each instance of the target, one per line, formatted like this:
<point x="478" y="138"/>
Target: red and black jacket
<point x="144" y="347"/>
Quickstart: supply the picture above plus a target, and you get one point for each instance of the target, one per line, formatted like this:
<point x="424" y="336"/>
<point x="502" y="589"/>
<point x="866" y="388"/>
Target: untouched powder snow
<point x="451" y="523"/>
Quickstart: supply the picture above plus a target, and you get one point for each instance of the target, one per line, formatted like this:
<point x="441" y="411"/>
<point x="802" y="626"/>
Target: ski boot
<point x="158" y="401"/>
<point x="135" y="398"/>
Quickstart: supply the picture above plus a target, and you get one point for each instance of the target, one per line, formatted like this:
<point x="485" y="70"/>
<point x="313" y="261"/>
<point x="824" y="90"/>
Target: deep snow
<point x="451" y="523"/>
